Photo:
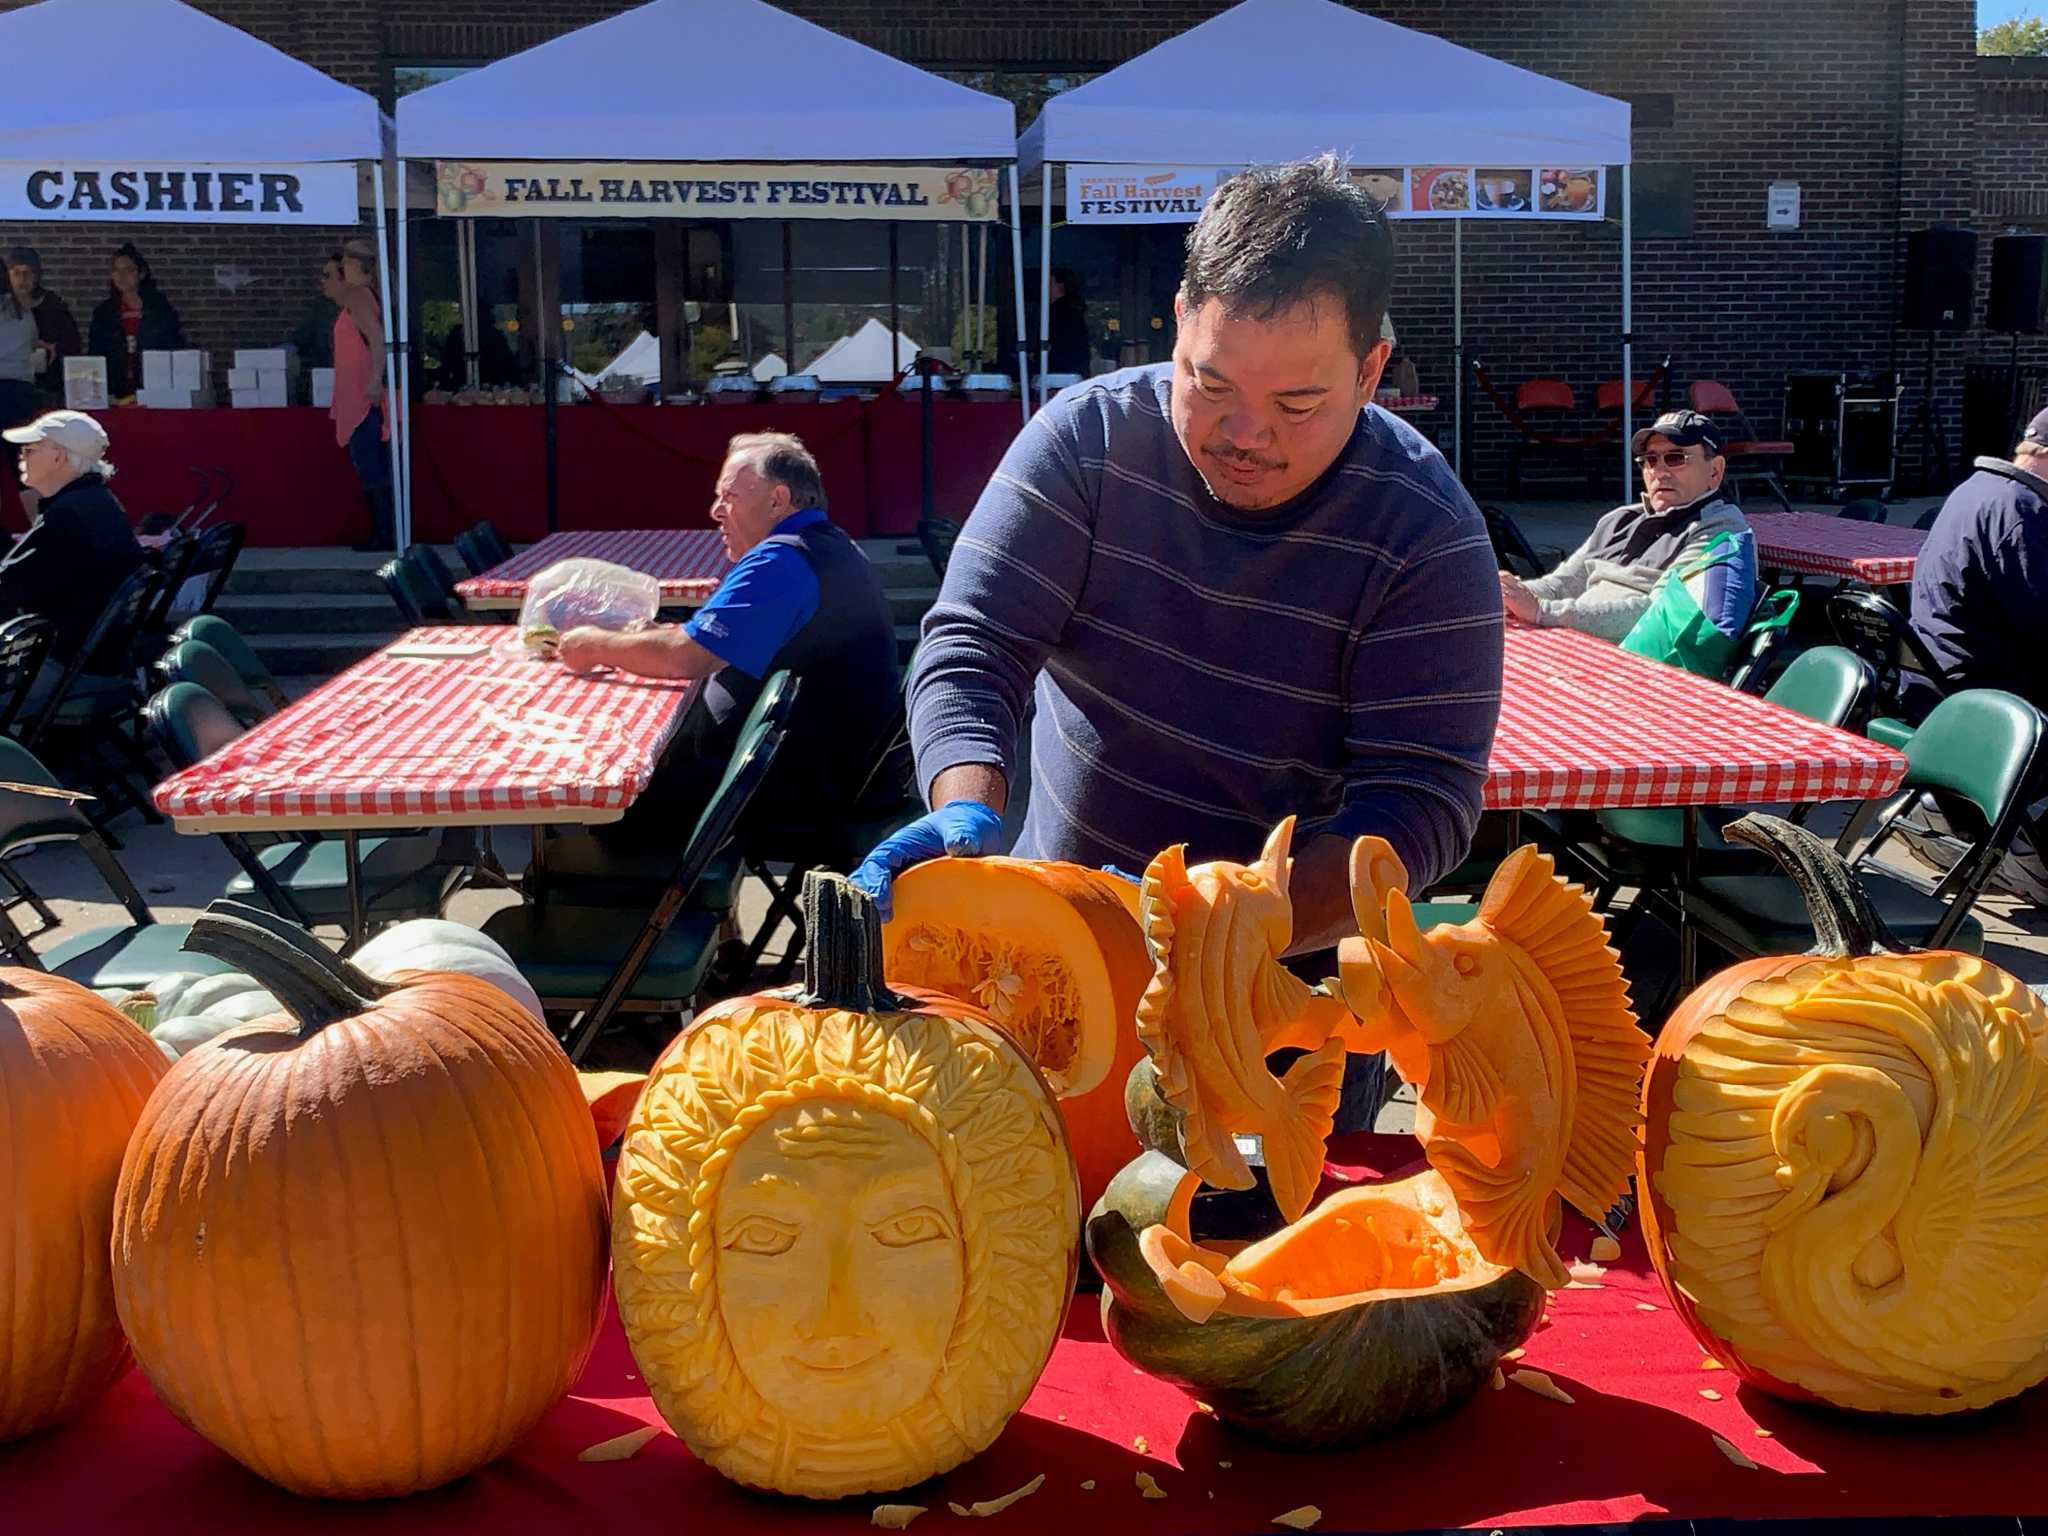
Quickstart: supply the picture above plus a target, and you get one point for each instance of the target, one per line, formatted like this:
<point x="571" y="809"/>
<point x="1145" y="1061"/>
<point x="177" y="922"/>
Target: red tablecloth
<point x="1877" y="554"/>
<point x="688" y="563"/>
<point x="292" y="483"/>
<point x="1585" y="725"/>
<point x="631" y="466"/>
<point x="409" y="740"/>
<point x="1637" y="1442"/>
<point x="620" y="466"/>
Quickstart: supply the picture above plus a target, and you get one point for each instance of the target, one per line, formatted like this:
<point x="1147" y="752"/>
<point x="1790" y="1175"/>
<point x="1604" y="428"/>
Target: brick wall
<point x="1872" y="106"/>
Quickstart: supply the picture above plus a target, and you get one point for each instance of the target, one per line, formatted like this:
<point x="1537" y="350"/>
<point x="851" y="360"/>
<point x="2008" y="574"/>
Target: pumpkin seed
<point x="1728" y="1449"/>
<point x="1149" y="1487"/>
<point x="895" y="1517"/>
<point x="1299" y="1519"/>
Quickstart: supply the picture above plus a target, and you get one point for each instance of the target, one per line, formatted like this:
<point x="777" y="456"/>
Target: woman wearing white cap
<point x="81" y="549"/>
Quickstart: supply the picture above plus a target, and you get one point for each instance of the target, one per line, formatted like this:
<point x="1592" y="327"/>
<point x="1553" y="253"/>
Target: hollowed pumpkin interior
<point x="1360" y="1245"/>
<point x="1028" y="942"/>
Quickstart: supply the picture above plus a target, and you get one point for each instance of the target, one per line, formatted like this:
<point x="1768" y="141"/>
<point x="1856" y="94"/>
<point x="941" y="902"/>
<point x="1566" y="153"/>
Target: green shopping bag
<point x="1701" y="609"/>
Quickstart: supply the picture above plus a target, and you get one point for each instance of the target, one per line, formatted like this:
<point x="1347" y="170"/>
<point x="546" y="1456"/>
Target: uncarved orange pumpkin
<point x="74" y="1074"/>
<point x="1055" y="954"/>
<point x="365" y="1255"/>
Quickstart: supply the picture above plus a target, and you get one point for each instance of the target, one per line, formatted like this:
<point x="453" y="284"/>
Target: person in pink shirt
<point x="361" y="423"/>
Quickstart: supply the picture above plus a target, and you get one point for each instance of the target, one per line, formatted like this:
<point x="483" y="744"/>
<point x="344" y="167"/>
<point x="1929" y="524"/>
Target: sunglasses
<point x="1672" y="458"/>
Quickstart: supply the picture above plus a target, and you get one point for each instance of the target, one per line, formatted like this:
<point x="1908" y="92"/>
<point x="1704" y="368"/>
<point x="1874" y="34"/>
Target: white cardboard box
<point x="243" y="377"/>
<point x="189" y="369"/>
<point x="174" y="399"/>
<point x="157" y="370"/>
<point x="276" y="358"/>
<point x="85" y="383"/>
<point x="255" y="399"/>
<point x="323" y="387"/>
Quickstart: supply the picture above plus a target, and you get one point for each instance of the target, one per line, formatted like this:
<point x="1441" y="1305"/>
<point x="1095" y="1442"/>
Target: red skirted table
<point x="620" y="466"/>
<point x="640" y="466"/>
<point x="688" y="562"/>
<point x="1638" y="1442"/>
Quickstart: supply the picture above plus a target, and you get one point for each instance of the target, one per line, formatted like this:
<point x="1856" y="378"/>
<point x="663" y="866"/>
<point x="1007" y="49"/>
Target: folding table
<point x="1814" y="544"/>
<point x="452" y="726"/>
<point x="1585" y="725"/>
<point x="688" y="562"/>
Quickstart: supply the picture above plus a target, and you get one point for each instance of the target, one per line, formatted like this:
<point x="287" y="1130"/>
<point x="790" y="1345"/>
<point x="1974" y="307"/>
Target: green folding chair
<point x="130" y="956"/>
<point x="594" y="961"/>
<point x="225" y="638"/>
<point x="1975" y="754"/>
<point x="194" y="661"/>
<point x="398" y="875"/>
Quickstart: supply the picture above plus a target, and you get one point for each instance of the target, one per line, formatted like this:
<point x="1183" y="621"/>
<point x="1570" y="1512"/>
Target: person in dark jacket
<point x="1980" y="584"/>
<point x="56" y="331"/>
<point x="81" y="549"/>
<point x="1066" y="341"/>
<point x="802" y="596"/>
<point x="132" y="319"/>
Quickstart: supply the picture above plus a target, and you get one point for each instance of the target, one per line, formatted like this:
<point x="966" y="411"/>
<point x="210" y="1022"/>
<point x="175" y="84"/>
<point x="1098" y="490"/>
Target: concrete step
<point x="318" y="655"/>
<point x="907" y="607"/>
<point x="284" y="613"/>
<point x="299" y="580"/>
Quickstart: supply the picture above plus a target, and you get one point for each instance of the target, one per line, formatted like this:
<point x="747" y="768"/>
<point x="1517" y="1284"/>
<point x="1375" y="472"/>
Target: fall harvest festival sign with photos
<point x="572" y="190"/>
<point x="1176" y="194"/>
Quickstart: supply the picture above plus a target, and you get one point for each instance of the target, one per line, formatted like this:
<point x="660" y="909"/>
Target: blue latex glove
<point x="966" y="829"/>
<point x="1123" y="874"/>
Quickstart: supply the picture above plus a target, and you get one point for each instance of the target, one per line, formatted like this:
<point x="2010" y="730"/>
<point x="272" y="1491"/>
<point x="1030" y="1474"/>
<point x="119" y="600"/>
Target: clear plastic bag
<point x="573" y="592"/>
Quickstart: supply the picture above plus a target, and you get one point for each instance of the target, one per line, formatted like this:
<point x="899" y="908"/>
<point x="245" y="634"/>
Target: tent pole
<point x="550" y="461"/>
<point x="966" y="291"/>
<point x="1458" y="346"/>
<point x="1044" y="280"/>
<point x="981" y="298"/>
<point x="401" y="436"/>
<point x="1017" y="282"/>
<point x="462" y="297"/>
<point x="1628" y="322"/>
<point x="390" y="350"/>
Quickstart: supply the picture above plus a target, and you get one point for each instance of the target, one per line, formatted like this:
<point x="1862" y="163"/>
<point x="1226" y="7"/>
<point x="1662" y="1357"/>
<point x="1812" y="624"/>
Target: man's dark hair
<point x="1276" y="236"/>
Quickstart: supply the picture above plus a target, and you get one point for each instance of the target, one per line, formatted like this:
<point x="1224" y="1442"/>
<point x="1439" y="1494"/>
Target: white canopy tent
<point x="1284" y="79"/>
<point x="863" y="357"/>
<point x="158" y="83"/>
<point x="712" y="80"/>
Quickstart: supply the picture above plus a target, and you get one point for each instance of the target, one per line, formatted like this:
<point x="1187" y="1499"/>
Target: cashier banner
<point x="1176" y="194"/>
<point x="552" y="189"/>
<point x="149" y="192"/>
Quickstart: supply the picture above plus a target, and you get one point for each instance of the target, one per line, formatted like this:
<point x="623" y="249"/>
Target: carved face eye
<point x="922" y="1225"/>
<point x="761" y="1237"/>
<point x="1467" y="965"/>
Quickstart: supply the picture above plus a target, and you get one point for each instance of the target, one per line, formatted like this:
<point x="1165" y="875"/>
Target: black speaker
<point x="2019" y="285"/>
<point x="1941" y="279"/>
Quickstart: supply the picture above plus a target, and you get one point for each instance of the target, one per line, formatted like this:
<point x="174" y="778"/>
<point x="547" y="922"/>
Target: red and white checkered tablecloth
<point x="1877" y="554"/>
<point x="688" y="562"/>
<point x="409" y="740"/>
<point x="1585" y="725"/>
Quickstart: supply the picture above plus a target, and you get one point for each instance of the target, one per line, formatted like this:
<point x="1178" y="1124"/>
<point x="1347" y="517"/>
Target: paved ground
<point x="181" y="874"/>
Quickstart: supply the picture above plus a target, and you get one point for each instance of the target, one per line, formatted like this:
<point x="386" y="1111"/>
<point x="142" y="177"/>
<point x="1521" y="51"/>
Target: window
<point x="608" y="301"/>
<point x="1663" y="203"/>
<point x="409" y="75"/>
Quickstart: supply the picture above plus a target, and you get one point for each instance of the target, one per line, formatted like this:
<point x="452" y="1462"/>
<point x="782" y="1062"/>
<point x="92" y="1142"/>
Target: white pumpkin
<point x="189" y="1031"/>
<point x="434" y="944"/>
<point x="171" y="988"/>
<point x="215" y="994"/>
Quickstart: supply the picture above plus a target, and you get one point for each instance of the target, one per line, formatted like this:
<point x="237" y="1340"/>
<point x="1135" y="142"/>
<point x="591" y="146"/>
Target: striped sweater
<point x="1201" y="673"/>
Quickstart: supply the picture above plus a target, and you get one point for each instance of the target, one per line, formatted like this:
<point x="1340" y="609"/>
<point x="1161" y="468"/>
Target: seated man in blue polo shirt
<point x="801" y="596"/>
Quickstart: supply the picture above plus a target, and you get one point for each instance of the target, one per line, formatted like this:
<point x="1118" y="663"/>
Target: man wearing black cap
<point x="56" y="331"/>
<point x="1606" y="584"/>
<point x="1980" y="585"/>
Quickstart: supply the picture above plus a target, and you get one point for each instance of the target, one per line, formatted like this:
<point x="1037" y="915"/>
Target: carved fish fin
<point x="1376" y="872"/>
<point x="1287" y="1011"/>
<point x="1273" y="861"/>
<point x="1464" y="1086"/>
<point x="1295" y="1146"/>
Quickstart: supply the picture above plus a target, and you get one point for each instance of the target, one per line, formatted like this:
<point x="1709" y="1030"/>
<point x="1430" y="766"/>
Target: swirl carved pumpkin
<point x="1845" y="1166"/>
<point x="361" y="1248"/>
<point x="845" y="1227"/>
<point x="74" y="1075"/>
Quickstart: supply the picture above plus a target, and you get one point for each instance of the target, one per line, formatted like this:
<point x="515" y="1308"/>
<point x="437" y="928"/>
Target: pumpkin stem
<point x="843" y="955"/>
<point x="1844" y="922"/>
<point x="312" y="983"/>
